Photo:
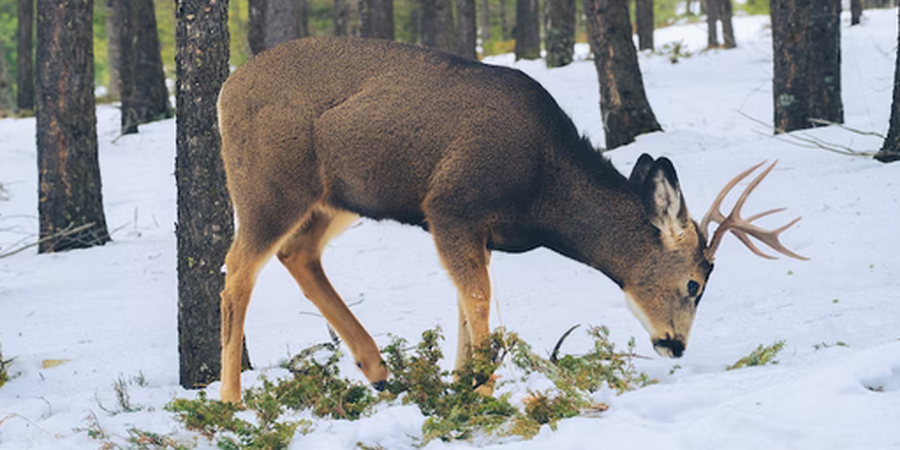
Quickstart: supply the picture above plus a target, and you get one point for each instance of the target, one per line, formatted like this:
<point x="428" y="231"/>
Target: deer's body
<point x="318" y="132"/>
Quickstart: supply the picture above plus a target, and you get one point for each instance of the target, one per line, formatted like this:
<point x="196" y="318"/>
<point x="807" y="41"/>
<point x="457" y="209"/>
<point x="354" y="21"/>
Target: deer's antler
<point x="743" y="228"/>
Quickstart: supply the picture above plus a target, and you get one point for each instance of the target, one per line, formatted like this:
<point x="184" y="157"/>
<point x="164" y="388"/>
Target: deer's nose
<point x="670" y="348"/>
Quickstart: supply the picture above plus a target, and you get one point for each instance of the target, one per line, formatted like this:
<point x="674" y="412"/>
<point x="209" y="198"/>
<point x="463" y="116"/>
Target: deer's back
<point x="383" y="129"/>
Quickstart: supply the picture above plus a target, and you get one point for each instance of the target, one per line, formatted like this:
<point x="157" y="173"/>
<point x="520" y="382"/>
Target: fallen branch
<point x="69" y="230"/>
<point x="845" y="127"/>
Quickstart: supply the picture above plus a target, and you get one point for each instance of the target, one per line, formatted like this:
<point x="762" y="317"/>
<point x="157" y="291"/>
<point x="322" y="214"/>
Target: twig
<point x="815" y="142"/>
<point x="845" y="127"/>
<point x="62" y="233"/>
<point x="559" y="343"/>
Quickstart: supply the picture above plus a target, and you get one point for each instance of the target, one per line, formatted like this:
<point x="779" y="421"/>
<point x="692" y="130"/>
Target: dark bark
<point x="806" y="54"/>
<point x="25" y="55"/>
<point x="150" y="91"/>
<point x="376" y="19"/>
<point x="560" y="32"/>
<point x="855" y="11"/>
<point x="485" y="20"/>
<point x="112" y="51"/>
<point x="69" y="171"/>
<point x="205" y="224"/>
<point x="712" y="30"/>
<point x="123" y="11"/>
<point x="437" y="29"/>
<point x="643" y="12"/>
<point x="256" y="34"/>
<point x="5" y="87"/>
<point x="466" y="29"/>
<point x="504" y="23"/>
<point x="623" y="103"/>
<point x="890" y="148"/>
<point x="528" y="30"/>
<point x="725" y="14"/>
<point x="275" y="21"/>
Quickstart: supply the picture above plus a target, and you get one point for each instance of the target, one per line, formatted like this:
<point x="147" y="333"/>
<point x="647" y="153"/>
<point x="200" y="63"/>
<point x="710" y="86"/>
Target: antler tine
<point x="743" y="228"/>
<point x="714" y="214"/>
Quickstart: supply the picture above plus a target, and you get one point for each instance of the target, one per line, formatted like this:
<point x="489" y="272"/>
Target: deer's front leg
<point x="466" y="259"/>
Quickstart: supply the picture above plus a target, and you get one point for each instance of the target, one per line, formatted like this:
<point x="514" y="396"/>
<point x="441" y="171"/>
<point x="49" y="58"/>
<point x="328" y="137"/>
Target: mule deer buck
<point x="318" y="132"/>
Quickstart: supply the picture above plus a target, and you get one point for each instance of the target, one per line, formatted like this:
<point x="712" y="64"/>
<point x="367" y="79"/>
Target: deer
<point x="319" y="132"/>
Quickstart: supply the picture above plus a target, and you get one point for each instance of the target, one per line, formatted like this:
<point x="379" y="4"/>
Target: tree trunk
<point x="623" y="103"/>
<point x="643" y="12"/>
<point x="150" y="91"/>
<point x="340" y="18"/>
<point x="123" y="11"/>
<point x="376" y="18"/>
<point x="824" y="53"/>
<point x="282" y="18"/>
<point x="890" y="148"/>
<point x="68" y="166"/>
<point x="560" y="32"/>
<point x="6" y="103"/>
<point x="485" y="16"/>
<point x="256" y="35"/>
<point x="528" y="30"/>
<point x="466" y="29"/>
<point x="504" y="23"/>
<point x="25" y="55"/>
<point x="855" y="11"/>
<point x="806" y="54"/>
<point x="712" y="30"/>
<point x="726" y="12"/>
<point x="437" y="24"/>
<point x="205" y="224"/>
<point x="112" y="51"/>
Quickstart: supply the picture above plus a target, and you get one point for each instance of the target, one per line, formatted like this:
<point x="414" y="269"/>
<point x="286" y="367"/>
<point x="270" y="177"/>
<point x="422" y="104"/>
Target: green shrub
<point x="759" y="357"/>
<point x="4" y="369"/>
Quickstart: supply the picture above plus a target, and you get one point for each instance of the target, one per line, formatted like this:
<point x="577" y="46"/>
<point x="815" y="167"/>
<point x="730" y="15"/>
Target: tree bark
<point x="855" y="11"/>
<point x="68" y="166"/>
<point x="112" y="51"/>
<point x="485" y="19"/>
<point x="528" y="30"/>
<point x="643" y="12"/>
<point x="806" y="54"/>
<point x="504" y="23"/>
<point x="25" y="55"/>
<point x="256" y="35"/>
<point x="205" y="223"/>
<point x="560" y="32"/>
<point x="376" y="18"/>
<point x="466" y="29"/>
<point x="6" y="103"/>
<point x="340" y="18"/>
<point x="623" y="103"/>
<point x="437" y="28"/>
<point x="725" y="14"/>
<point x="712" y="30"/>
<point x="123" y="11"/>
<point x="150" y="91"/>
<point x="890" y="148"/>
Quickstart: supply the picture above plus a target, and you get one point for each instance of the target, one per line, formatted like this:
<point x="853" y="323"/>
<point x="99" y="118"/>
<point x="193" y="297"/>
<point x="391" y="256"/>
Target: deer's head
<point x="665" y="287"/>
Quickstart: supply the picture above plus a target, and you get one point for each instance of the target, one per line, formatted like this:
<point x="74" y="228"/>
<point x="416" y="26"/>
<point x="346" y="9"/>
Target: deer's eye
<point x="693" y="287"/>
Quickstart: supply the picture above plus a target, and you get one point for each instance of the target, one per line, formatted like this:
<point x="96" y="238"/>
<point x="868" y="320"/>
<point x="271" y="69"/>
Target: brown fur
<point x="316" y="132"/>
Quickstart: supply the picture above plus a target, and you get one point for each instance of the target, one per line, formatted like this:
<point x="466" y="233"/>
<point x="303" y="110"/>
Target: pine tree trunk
<point x="623" y="103"/>
<point x="25" y="55"/>
<point x="150" y="91"/>
<point x="643" y="11"/>
<point x="504" y="23"/>
<point x="68" y="166"/>
<point x="256" y="35"/>
<point x="485" y="18"/>
<point x="123" y="11"/>
<point x="528" y="30"/>
<point x="712" y="16"/>
<point x="806" y="54"/>
<point x="112" y="51"/>
<point x="205" y="224"/>
<point x="6" y="102"/>
<point x="437" y="24"/>
<point x="726" y="13"/>
<point x="855" y="11"/>
<point x="560" y="32"/>
<point x="340" y="18"/>
<point x="376" y="19"/>
<point x="281" y="22"/>
<point x="890" y="148"/>
<point x="466" y="29"/>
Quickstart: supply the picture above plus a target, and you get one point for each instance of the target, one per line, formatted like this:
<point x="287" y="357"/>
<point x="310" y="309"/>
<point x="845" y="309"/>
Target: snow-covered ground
<point x="110" y="312"/>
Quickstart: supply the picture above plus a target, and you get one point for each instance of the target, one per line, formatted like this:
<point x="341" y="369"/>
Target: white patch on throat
<point x="639" y="313"/>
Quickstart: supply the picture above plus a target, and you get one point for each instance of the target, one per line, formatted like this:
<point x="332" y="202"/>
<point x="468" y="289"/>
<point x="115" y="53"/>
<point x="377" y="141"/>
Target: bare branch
<point x="68" y="231"/>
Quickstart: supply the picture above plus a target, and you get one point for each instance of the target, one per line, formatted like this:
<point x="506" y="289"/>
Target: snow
<point x="110" y="312"/>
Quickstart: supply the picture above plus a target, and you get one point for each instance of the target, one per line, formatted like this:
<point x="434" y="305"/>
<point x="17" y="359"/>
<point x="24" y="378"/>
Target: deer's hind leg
<point x="301" y="254"/>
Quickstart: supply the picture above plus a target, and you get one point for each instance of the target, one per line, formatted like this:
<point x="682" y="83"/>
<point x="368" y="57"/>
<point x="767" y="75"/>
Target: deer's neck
<point x="590" y="214"/>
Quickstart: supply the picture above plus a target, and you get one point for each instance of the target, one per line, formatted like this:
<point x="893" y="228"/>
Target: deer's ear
<point x="663" y="201"/>
<point x="639" y="172"/>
